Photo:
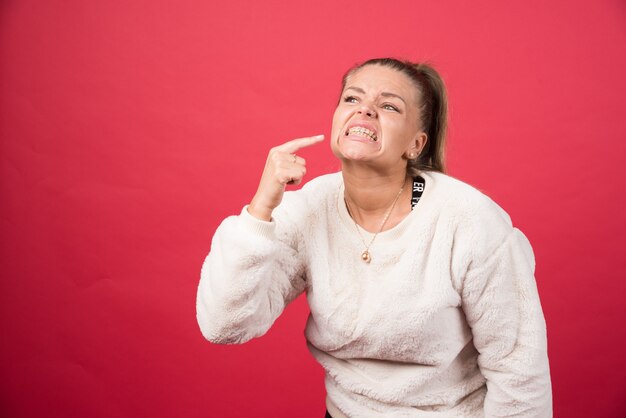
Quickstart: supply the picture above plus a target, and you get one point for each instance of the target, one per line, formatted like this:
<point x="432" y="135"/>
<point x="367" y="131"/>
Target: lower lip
<point x="359" y="138"/>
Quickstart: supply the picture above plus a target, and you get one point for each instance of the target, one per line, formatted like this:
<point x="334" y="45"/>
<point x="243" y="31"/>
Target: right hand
<point x="282" y="167"/>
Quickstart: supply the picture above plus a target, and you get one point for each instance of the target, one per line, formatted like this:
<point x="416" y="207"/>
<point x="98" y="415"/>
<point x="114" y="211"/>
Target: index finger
<point x="296" y="144"/>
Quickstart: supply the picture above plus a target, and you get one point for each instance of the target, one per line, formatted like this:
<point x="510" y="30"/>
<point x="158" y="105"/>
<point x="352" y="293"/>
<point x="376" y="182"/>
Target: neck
<point x="370" y="195"/>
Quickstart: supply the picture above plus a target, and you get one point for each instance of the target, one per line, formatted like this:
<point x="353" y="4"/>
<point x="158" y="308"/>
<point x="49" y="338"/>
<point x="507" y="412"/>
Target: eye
<point x="350" y="99"/>
<point x="391" y="107"/>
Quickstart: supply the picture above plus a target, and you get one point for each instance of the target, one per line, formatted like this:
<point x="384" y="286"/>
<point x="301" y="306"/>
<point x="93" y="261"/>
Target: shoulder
<point x="463" y="200"/>
<point x="317" y="189"/>
<point x="323" y="183"/>
<point x="480" y="224"/>
<point x="317" y="193"/>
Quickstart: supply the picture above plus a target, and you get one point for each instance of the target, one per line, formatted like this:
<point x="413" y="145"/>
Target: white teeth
<point x="361" y="131"/>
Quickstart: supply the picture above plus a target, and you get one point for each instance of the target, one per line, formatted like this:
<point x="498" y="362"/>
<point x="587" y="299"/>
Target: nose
<point x="367" y="110"/>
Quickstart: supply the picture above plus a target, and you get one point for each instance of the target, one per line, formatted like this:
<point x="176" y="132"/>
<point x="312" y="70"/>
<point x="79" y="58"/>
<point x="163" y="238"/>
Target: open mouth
<point x="363" y="132"/>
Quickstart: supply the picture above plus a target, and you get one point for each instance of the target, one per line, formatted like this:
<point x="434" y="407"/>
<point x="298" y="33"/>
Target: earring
<point x="412" y="155"/>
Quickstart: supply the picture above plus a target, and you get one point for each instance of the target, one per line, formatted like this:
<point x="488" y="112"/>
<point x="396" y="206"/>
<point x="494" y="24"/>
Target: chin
<point x="355" y="156"/>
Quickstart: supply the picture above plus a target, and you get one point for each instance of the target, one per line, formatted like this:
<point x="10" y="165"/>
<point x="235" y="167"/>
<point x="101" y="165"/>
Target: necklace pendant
<point x="365" y="256"/>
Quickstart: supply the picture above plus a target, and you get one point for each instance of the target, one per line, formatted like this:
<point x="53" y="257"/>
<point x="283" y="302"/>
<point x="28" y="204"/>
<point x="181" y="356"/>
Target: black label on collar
<point x="418" y="189"/>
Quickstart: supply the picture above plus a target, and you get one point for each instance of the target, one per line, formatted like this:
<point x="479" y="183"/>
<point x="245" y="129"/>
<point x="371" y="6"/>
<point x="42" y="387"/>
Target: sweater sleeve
<point x="502" y="306"/>
<point x="254" y="269"/>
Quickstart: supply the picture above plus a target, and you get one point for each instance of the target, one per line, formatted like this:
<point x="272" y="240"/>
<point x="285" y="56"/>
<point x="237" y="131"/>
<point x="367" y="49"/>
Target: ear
<point x="417" y="145"/>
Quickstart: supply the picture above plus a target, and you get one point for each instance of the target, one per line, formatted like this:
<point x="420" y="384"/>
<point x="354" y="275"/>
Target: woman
<point x="422" y="296"/>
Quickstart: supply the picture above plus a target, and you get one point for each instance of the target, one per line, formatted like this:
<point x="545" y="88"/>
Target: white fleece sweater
<point x="444" y="322"/>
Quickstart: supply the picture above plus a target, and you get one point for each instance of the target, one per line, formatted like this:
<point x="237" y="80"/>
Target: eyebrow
<point x="384" y="93"/>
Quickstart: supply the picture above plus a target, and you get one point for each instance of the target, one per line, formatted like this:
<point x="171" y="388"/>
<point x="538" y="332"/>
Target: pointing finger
<point x="297" y="144"/>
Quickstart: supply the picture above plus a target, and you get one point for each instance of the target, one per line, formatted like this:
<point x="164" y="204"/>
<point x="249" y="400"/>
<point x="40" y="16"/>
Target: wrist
<point x="259" y="212"/>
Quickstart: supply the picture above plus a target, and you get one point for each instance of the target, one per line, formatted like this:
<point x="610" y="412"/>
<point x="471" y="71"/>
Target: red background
<point x="129" y="129"/>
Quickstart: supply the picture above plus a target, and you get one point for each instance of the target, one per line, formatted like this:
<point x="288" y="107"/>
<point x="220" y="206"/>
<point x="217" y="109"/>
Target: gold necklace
<point x="365" y="255"/>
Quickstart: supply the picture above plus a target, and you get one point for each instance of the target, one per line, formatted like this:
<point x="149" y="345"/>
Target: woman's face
<point x="377" y="119"/>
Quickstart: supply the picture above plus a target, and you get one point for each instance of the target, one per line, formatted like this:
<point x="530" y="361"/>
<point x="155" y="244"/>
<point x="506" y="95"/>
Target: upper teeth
<point x="361" y="131"/>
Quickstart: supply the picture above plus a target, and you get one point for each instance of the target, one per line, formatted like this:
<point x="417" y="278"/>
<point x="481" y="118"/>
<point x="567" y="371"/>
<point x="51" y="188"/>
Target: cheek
<point x="404" y="130"/>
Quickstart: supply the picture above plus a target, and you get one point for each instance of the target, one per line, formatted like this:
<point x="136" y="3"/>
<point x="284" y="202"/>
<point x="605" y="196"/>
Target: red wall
<point x="129" y="129"/>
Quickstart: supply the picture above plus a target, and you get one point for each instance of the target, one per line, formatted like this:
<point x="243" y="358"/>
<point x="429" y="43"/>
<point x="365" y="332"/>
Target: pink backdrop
<point x="129" y="129"/>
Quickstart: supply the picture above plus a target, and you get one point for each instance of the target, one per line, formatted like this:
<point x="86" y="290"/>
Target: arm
<point x="252" y="272"/>
<point x="502" y="307"/>
<point x="254" y="269"/>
